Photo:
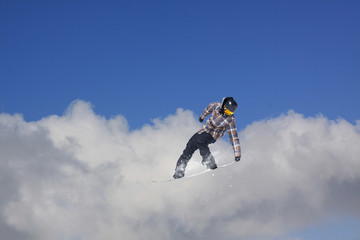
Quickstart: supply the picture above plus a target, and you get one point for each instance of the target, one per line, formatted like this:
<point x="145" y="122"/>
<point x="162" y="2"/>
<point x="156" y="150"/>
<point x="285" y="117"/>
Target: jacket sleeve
<point x="234" y="139"/>
<point x="209" y="109"/>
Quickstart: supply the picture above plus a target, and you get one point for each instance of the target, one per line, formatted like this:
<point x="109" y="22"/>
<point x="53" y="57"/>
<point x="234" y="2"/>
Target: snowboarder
<point x="222" y="119"/>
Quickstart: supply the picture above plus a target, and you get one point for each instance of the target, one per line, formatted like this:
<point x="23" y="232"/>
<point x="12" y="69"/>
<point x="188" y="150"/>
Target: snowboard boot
<point x="209" y="161"/>
<point x="178" y="174"/>
<point x="181" y="166"/>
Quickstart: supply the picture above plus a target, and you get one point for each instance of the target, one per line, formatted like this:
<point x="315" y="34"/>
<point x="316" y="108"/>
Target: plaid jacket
<point x="217" y="125"/>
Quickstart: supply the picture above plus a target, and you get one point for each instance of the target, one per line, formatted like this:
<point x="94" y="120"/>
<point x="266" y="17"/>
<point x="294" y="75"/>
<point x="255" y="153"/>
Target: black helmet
<point x="228" y="106"/>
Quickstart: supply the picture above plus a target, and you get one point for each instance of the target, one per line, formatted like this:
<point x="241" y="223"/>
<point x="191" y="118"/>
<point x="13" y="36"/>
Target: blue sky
<point x="145" y="59"/>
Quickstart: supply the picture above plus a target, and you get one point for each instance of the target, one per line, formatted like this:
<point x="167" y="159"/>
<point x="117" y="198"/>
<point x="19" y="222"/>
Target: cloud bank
<point x="82" y="176"/>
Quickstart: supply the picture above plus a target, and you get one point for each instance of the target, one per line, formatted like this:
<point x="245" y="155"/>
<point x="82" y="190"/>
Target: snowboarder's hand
<point x="237" y="159"/>
<point x="201" y="120"/>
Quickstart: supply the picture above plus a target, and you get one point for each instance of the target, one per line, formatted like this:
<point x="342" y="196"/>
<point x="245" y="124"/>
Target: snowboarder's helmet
<point x="228" y="106"/>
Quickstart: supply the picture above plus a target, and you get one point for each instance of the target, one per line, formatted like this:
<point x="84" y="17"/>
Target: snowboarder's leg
<point x="181" y="166"/>
<point x="191" y="147"/>
<point x="204" y="149"/>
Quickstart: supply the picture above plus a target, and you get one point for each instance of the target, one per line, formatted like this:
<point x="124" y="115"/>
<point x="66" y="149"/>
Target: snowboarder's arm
<point x="234" y="139"/>
<point x="209" y="109"/>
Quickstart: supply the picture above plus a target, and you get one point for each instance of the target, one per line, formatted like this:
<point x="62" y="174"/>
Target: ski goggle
<point x="228" y="112"/>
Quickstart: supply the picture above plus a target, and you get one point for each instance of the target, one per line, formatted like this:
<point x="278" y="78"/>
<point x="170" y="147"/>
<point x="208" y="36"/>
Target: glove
<point x="237" y="159"/>
<point x="201" y="120"/>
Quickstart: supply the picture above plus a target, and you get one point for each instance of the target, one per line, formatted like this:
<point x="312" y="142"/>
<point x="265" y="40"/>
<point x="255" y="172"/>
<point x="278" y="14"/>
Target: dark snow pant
<point x="197" y="141"/>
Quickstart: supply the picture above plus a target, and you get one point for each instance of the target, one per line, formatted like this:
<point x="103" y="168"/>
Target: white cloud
<point x="82" y="176"/>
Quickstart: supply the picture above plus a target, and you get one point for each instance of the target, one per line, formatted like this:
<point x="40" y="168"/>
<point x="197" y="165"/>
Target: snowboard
<point x="193" y="175"/>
